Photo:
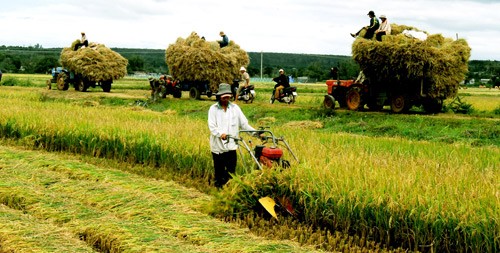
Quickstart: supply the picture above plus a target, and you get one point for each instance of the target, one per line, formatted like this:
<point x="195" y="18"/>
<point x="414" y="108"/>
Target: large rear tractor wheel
<point x="177" y="93"/>
<point x="194" y="93"/>
<point x="400" y="103"/>
<point x="353" y="99"/>
<point x="80" y="85"/>
<point x="106" y="85"/>
<point x="62" y="81"/>
<point x="329" y="102"/>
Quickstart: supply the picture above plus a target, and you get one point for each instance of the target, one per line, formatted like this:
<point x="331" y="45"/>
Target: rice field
<point x="56" y="203"/>
<point x="398" y="191"/>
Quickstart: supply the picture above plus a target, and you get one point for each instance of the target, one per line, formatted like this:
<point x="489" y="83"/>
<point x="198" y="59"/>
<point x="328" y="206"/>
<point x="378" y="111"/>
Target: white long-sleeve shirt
<point x="385" y="26"/>
<point x="225" y="122"/>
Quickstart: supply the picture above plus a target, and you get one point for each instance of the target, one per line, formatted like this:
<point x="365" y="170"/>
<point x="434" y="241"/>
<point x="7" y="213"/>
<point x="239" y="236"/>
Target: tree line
<point x="36" y="59"/>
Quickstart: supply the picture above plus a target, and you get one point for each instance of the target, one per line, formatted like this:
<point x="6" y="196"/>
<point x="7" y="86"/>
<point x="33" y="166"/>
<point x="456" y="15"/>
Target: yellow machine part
<point x="268" y="203"/>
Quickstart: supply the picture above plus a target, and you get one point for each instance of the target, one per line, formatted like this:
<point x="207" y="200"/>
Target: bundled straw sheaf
<point x="95" y="62"/>
<point x="441" y="63"/>
<point x="194" y="59"/>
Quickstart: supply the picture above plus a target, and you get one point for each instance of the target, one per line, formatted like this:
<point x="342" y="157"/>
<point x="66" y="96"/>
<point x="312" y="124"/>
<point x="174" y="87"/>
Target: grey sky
<point x="292" y="26"/>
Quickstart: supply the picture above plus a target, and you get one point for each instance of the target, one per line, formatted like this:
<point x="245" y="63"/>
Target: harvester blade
<point x="269" y="204"/>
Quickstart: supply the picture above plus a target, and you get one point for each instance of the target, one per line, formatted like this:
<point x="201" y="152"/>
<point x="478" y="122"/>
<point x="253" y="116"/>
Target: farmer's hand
<point x="223" y="136"/>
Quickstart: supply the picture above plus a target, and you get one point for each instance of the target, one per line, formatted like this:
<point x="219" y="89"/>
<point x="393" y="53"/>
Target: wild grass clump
<point x="496" y="111"/>
<point x="13" y="81"/>
<point x="457" y="105"/>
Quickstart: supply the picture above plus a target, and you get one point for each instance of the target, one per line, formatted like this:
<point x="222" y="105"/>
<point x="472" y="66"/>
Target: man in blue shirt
<point x="225" y="40"/>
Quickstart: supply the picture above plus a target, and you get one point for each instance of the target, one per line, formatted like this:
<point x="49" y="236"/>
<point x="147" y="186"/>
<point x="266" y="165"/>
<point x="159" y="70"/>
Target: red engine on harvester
<point x="266" y="155"/>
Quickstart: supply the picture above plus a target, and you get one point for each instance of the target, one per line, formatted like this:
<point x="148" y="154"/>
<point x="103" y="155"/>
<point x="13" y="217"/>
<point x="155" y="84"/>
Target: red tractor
<point x="355" y="94"/>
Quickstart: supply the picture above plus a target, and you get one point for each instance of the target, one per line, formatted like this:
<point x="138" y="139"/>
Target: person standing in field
<point x="244" y="81"/>
<point x="225" y="119"/>
<point x="83" y="42"/>
<point x="370" y="29"/>
<point x="384" y="29"/>
<point x="281" y="83"/>
<point x="334" y="73"/>
<point x="225" y="40"/>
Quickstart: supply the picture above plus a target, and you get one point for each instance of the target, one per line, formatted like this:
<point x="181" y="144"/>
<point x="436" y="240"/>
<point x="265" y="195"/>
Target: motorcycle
<point x="287" y="95"/>
<point x="247" y="94"/>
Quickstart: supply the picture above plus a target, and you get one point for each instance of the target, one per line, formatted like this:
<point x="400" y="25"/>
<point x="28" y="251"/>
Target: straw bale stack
<point x="95" y="62"/>
<point x="441" y="63"/>
<point x="194" y="59"/>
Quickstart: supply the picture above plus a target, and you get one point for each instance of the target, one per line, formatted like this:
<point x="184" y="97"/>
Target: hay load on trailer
<point x="202" y="65"/>
<point x="403" y="70"/>
<point x="90" y="66"/>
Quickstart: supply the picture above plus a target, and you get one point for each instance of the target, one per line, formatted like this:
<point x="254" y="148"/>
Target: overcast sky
<point x="289" y="26"/>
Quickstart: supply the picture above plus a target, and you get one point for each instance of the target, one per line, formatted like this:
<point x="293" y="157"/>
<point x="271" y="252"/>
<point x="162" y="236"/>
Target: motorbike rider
<point x="281" y="83"/>
<point x="243" y="83"/>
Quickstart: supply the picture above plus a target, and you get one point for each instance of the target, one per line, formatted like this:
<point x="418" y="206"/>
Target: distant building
<point x="484" y="81"/>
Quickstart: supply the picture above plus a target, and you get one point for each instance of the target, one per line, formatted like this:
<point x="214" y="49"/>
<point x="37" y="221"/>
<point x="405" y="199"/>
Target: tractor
<point x="63" y="78"/>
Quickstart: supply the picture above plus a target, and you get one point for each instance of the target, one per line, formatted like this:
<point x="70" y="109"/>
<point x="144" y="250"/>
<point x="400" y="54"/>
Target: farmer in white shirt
<point x="225" y="119"/>
<point x="384" y="29"/>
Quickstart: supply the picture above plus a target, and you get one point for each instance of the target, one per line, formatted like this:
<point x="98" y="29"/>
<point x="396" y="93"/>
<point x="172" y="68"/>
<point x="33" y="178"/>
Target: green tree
<point x="135" y="63"/>
<point x="44" y="64"/>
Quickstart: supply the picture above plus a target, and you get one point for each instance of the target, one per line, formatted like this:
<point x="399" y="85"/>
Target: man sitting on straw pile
<point x="83" y="42"/>
<point x="370" y="30"/>
<point x="385" y="28"/>
<point x="225" y="40"/>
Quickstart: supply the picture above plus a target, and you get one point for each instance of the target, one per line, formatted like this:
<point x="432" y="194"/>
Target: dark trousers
<point x="78" y="45"/>
<point x="369" y="33"/>
<point x="379" y="35"/>
<point x="224" y="163"/>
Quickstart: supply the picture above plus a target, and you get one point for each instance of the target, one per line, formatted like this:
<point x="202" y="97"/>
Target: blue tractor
<point x="63" y="78"/>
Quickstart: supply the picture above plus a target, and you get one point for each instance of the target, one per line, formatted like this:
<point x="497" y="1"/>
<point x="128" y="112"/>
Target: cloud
<point x="295" y="26"/>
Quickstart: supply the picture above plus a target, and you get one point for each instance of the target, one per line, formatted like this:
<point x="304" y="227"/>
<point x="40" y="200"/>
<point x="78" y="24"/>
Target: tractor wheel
<point x="343" y="103"/>
<point x="62" y="81"/>
<point x="433" y="105"/>
<point x="329" y="102"/>
<point x="399" y="103"/>
<point x="177" y="94"/>
<point x="353" y="99"/>
<point x="106" y="85"/>
<point x="80" y="85"/>
<point x="194" y="93"/>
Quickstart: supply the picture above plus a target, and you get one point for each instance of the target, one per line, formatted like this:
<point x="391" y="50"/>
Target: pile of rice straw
<point x="194" y="59"/>
<point x="95" y="62"/>
<point x="402" y="60"/>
